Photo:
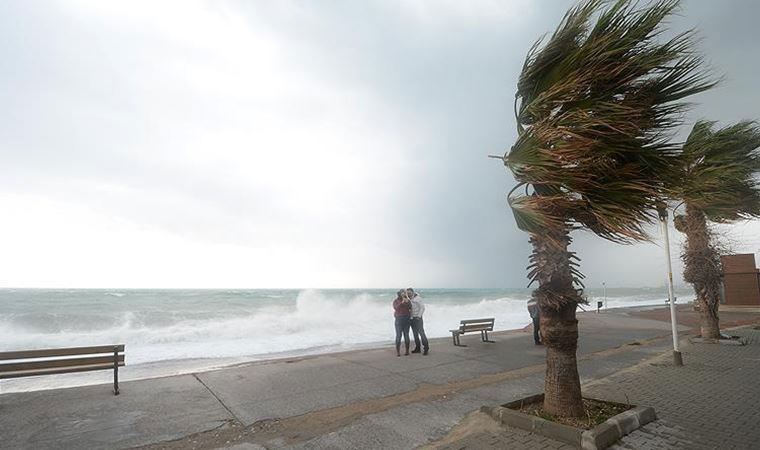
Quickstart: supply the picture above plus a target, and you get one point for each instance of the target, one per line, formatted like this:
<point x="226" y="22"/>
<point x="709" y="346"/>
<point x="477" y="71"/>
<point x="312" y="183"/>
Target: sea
<point x="175" y="331"/>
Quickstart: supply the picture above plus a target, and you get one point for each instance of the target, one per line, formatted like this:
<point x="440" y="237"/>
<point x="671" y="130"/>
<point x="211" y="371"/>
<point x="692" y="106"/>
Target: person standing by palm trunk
<point x="535" y="316"/>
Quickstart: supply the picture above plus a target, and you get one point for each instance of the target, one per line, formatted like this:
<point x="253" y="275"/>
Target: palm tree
<point x="717" y="183"/>
<point x="594" y="106"/>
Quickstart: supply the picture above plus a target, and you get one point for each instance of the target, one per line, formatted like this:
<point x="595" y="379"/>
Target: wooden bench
<point x="30" y="363"/>
<point x="472" y="325"/>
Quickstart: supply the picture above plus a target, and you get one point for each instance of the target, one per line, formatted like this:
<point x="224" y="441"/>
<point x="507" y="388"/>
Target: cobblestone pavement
<point x="510" y="438"/>
<point x="709" y="403"/>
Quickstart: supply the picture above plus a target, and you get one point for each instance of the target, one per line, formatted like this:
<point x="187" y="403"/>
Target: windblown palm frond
<point x="595" y="105"/>
<point x="719" y="170"/>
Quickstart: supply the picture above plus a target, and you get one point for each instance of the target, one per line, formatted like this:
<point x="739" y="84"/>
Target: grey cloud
<point x="81" y="107"/>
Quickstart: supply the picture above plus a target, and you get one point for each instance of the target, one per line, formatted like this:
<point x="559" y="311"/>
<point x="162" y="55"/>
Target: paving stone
<point x="709" y="403"/>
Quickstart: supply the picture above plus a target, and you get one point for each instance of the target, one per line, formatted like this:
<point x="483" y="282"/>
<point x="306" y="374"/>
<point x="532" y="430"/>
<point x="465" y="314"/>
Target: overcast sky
<point x="289" y="143"/>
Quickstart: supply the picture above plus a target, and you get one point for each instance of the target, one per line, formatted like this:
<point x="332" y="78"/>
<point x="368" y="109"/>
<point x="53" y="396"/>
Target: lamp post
<point x="663" y="213"/>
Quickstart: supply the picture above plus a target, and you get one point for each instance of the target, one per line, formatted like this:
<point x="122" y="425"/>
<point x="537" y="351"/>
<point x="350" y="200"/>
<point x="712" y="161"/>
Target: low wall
<point x="741" y="280"/>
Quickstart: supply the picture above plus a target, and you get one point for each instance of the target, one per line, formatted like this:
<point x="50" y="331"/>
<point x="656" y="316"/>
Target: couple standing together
<point x="408" y="309"/>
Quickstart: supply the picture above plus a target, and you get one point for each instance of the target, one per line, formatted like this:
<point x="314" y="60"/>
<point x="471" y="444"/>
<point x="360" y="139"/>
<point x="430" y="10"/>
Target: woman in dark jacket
<point x="402" y="311"/>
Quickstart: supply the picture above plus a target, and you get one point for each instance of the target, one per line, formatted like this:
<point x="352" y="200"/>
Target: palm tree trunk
<point x="702" y="269"/>
<point x="557" y="300"/>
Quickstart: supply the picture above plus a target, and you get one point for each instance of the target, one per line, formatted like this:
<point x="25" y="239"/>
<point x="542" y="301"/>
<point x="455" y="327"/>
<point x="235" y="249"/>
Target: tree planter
<point x="599" y="437"/>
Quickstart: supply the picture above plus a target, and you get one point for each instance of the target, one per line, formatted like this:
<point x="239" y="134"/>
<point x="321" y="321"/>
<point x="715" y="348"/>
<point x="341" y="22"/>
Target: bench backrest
<point x="58" y="360"/>
<point x="476" y="325"/>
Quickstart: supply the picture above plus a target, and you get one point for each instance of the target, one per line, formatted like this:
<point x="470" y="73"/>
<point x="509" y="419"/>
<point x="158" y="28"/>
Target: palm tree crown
<point x="719" y="171"/>
<point x="594" y="108"/>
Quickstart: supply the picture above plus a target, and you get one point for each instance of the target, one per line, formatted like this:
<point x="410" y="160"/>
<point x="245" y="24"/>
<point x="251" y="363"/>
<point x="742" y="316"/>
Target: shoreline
<point x="185" y="366"/>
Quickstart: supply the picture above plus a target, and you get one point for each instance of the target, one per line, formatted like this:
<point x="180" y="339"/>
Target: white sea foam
<point x="315" y="320"/>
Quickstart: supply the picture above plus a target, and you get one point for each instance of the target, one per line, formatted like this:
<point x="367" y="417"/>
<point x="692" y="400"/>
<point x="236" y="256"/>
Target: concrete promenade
<point x="368" y="398"/>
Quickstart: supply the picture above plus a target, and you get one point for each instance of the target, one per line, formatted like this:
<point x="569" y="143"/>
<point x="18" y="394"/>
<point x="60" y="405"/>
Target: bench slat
<point x="55" y="370"/>
<point x="477" y="328"/>
<point x="469" y="321"/>
<point x="479" y="324"/>
<point x="26" y="354"/>
<point x="59" y="363"/>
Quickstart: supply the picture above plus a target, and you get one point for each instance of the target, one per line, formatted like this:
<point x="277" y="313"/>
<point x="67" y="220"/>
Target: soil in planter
<point x="596" y="412"/>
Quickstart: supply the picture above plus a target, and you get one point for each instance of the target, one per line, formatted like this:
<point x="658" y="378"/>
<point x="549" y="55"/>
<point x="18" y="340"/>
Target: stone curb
<point x="600" y="437"/>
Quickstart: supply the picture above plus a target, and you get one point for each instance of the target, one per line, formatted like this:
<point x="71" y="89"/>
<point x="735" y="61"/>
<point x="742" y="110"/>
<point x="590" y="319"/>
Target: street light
<point x="663" y="212"/>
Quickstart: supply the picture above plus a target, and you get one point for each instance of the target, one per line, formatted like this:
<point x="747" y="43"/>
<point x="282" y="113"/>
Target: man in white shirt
<point x="418" y="327"/>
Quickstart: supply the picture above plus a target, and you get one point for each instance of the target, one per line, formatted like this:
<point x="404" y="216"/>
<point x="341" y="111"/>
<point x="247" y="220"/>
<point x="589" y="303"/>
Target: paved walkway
<point x="709" y="403"/>
<point x="361" y="399"/>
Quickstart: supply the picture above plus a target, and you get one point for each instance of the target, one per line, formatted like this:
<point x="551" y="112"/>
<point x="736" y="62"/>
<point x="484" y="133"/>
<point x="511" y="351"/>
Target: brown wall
<point x="738" y="263"/>
<point x="741" y="280"/>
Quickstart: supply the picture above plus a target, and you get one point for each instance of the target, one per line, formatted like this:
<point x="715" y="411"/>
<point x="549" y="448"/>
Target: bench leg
<point x="115" y="372"/>
<point x="484" y="337"/>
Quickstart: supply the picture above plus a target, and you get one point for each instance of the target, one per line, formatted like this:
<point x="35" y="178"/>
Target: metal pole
<point x="604" y="286"/>
<point x="677" y="359"/>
